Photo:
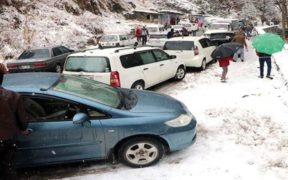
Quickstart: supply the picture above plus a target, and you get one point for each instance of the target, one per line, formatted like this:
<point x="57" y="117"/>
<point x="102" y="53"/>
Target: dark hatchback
<point x="47" y="59"/>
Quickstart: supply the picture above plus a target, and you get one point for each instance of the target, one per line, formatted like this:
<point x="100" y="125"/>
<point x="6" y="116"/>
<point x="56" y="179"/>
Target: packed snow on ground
<point x="242" y="128"/>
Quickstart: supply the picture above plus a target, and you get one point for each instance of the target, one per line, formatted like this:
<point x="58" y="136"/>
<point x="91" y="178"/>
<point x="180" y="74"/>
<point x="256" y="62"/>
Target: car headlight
<point x="180" y="121"/>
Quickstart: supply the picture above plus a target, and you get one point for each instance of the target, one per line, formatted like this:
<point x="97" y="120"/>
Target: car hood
<point x="151" y="102"/>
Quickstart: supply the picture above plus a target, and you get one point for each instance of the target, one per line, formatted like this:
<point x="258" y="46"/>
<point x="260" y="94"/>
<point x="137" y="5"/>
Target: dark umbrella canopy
<point x="225" y="50"/>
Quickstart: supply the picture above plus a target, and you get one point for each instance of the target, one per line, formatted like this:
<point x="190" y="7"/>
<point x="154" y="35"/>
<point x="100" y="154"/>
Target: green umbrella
<point x="268" y="43"/>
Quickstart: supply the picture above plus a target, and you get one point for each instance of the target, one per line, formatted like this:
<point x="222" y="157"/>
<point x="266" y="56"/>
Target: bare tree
<point x="282" y="5"/>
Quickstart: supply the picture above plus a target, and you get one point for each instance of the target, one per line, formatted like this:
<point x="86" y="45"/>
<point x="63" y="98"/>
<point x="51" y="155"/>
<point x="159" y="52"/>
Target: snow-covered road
<point x="242" y="129"/>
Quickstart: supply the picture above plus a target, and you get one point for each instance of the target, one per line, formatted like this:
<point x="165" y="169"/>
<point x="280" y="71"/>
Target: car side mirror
<point x="173" y="56"/>
<point x="82" y="119"/>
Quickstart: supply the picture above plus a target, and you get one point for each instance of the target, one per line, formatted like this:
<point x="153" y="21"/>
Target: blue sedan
<point x="74" y="119"/>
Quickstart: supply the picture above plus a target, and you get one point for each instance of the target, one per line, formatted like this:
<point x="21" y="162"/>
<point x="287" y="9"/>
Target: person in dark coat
<point x="170" y="34"/>
<point x="13" y="120"/>
<point x="265" y="58"/>
<point x="145" y="34"/>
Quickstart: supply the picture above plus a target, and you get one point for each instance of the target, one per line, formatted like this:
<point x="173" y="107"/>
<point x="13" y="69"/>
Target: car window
<point x="34" y="54"/>
<point x="89" y="89"/>
<point x="160" y="55"/>
<point x="179" y="45"/>
<point x="50" y="109"/>
<point x="147" y="57"/>
<point x="56" y="51"/>
<point x="64" y="50"/>
<point x="209" y="43"/>
<point x="87" y="64"/>
<point x="203" y="43"/>
<point x="122" y="37"/>
<point x="130" y="60"/>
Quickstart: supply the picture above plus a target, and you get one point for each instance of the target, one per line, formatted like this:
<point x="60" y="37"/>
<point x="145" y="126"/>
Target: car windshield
<point x="218" y="26"/>
<point x="179" y="45"/>
<point x="221" y="36"/>
<point x="109" y="38"/>
<point x="152" y="29"/>
<point x="158" y="36"/>
<point x="87" y="64"/>
<point x="35" y="54"/>
<point x="89" y="89"/>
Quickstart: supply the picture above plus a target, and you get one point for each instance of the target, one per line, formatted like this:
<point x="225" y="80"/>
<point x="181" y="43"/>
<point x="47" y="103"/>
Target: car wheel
<point x="180" y="73"/>
<point x="203" y="65"/>
<point x="138" y="85"/>
<point x="58" y="68"/>
<point x="141" y="152"/>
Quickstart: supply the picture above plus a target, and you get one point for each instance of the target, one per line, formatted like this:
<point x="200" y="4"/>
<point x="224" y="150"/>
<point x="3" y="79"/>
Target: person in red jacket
<point x="13" y="120"/>
<point x="138" y="33"/>
<point x="224" y="63"/>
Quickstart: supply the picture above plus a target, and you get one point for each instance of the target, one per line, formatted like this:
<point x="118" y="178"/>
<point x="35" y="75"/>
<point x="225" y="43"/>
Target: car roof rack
<point x="134" y="47"/>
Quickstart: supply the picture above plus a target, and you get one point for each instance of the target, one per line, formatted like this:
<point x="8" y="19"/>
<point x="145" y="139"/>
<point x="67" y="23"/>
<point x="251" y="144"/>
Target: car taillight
<point x="11" y="66"/>
<point x="40" y="64"/>
<point x="196" y="50"/>
<point x="115" y="79"/>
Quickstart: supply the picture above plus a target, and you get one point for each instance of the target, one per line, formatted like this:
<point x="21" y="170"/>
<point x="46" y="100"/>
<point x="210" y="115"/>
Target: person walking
<point x="240" y="38"/>
<point x="170" y="34"/>
<point x="224" y="63"/>
<point x="13" y="120"/>
<point x="265" y="58"/>
<point x="138" y="33"/>
<point x="144" y="34"/>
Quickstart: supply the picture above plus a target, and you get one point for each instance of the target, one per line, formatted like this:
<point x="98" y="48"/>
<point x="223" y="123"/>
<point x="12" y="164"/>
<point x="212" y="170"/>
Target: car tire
<point x="58" y="68"/>
<point x="180" y="73"/>
<point x="138" y="85"/>
<point x="141" y="152"/>
<point x="203" y="65"/>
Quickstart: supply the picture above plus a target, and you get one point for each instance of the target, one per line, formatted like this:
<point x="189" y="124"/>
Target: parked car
<point x="189" y="26"/>
<point x="157" y="40"/>
<point x="219" y="37"/>
<point x="50" y="59"/>
<point x="195" y="51"/>
<point x="155" y="28"/>
<point x="74" y="119"/>
<point x="138" y="68"/>
<point x="116" y="40"/>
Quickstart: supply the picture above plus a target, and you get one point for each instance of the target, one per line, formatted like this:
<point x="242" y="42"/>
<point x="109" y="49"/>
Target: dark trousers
<point x="144" y="40"/>
<point x="7" y="160"/>
<point x="262" y="61"/>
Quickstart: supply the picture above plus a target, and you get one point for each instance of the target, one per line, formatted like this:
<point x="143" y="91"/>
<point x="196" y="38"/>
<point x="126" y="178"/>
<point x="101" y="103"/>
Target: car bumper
<point x="194" y="62"/>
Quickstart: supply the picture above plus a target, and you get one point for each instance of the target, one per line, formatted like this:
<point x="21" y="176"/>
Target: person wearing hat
<point x="13" y="120"/>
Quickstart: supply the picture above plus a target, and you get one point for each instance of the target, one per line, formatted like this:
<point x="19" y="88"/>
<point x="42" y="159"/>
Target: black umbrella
<point x="225" y="50"/>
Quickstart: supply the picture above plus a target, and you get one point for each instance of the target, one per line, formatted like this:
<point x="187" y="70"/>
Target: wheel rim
<point x="139" y="86"/>
<point x="180" y="73"/>
<point x="142" y="153"/>
<point x="58" y="69"/>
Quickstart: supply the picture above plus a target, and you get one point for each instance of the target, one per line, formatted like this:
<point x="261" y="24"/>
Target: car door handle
<point x="145" y="69"/>
<point x="161" y="64"/>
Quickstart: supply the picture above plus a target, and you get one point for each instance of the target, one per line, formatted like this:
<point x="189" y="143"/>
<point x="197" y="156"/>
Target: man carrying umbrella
<point x="265" y="45"/>
<point x="224" y="53"/>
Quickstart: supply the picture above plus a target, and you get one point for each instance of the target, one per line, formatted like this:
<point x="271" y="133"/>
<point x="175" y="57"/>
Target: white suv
<point x="195" y="51"/>
<point x="129" y="67"/>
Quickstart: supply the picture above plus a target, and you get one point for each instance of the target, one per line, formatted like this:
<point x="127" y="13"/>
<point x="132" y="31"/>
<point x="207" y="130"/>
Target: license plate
<point x="25" y="67"/>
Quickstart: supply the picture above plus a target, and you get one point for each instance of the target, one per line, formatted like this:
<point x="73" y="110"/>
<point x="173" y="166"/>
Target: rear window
<point x="158" y="36"/>
<point x="179" y="45"/>
<point x="221" y="36"/>
<point x="87" y="64"/>
<point x="109" y="38"/>
<point x="36" y="53"/>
